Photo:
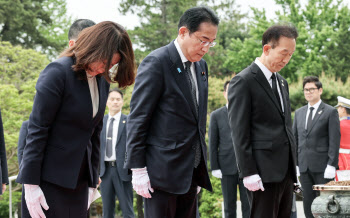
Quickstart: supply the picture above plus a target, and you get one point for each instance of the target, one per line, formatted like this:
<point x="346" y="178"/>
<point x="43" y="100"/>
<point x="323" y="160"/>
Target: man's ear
<point x="182" y="31"/>
<point x="266" y="49"/>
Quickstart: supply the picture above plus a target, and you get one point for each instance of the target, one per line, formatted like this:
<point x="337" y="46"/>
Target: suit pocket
<point x="322" y="149"/>
<point x="262" y="145"/>
<point x="159" y="142"/>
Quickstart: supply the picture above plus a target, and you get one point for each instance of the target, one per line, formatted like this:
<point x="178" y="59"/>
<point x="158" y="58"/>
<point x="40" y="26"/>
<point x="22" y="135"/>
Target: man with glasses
<point x="317" y="132"/>
<point x="166" y="148"/>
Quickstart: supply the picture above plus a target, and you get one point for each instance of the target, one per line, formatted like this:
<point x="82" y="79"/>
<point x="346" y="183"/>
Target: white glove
<point x="329" y="173"/>
<point x="198" y="189"/>
<point x="217" y="173"/>
<point x="253" y="183"/>
<point x="91" y="194"/>
<point x="35" y="199"/>
<point x="141" y="183"/>
<point x="298" y="172"/>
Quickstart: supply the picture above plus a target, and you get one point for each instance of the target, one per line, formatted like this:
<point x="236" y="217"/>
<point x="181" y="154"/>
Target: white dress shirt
<point x="114" y="134"/>
<point x="193" y="70"/>
<point x="94" y="93"/>
<point x="315" y="106"/>
<point x="268" y="75"/>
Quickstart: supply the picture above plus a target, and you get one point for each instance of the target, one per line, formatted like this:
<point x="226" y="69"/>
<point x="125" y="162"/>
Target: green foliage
<point x="4" y="203"/>
<point x="19" y="70"/>
<point x="37" y="24"/>
<point x="210" y="202"/>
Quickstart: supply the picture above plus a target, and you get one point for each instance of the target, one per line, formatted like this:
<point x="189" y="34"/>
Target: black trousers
<point x="307" y="180"/>
<point x="167" y="205"/>
<point x="229" y="191"/>
<point x="113" y="186"/>
<point x="275" y="201"/>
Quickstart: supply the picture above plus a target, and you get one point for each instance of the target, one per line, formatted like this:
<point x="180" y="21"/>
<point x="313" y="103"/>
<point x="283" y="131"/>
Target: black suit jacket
<point x="3" y="161"/>
<point x="261" y="132"/>
<point x="23" y="132"/>
<point x="61" y="129"/>
<point x="162" y="124"/>
<point x="120" y="148"/>
<point x="221" y="151"/>
<point x="318" y="147"/>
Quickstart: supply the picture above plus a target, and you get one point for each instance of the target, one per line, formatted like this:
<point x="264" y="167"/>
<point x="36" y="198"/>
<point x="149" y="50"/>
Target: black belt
<point x="111" y="163"/>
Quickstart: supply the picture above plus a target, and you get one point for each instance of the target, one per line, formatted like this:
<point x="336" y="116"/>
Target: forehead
<point x="310" y="85"/>
<point x="207" y="30"/>
<point x="114" y="94"/>
<point x="286" y="44"/>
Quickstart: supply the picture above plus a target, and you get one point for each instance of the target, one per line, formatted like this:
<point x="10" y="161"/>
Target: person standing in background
<point x="223" y="161"/>
<point x="115" y="179"/>
<point x="4" y="180"/>
<point x="343" y="108"/>
<point x="261" y="126"/>
<point x="317" y="132"/>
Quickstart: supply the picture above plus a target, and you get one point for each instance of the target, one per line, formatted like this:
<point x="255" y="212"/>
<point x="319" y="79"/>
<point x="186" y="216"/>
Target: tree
<point x="321" y="46"/>
<point x="37" y="24"/>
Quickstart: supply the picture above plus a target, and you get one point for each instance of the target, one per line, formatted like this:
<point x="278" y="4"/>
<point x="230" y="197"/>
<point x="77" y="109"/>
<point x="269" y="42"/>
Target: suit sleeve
<point x="213" y="142"/>
<point x="147" y="91"/>
<point x="49" y="92"/>
<point x="239" y="112"/>
<point x="334" y="138"/>
<point x="95" y="154"/>
<point x="295" y="133"/>
<point x="22" y="141"/>
<point x="3" y="160"/>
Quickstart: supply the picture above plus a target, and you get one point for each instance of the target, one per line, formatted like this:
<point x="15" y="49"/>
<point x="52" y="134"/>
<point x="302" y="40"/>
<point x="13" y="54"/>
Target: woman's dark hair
<point x="99" y="43"/>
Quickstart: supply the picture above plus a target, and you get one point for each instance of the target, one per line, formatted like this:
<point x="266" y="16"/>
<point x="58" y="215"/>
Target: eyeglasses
<point x="311" y="90"/>
<point x="204" y="43"/>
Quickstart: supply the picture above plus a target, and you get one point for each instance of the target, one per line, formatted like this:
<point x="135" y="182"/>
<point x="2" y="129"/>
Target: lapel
<point x="122" y="123"/>
<point x="319" y="113"/>
<point x="261" y="79"/>
<point x="284" y="92"/>
<point x="98" y="80"/>
<point x="178" y="71"/>
<point x="103" y="133"/>
<point x="201" y="82"/>
<point x="303" y="117"/>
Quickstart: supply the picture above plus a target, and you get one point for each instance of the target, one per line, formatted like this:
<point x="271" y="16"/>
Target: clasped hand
<point x="253" y="183"/>
<point x="141" y="183"/>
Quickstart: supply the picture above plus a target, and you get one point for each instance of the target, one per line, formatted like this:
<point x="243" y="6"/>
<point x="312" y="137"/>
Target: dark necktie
<point x="109" y="138"/>
<point x="274" y="89"/>
<point x="309" y="119"/>
<point x="196" y="143"/>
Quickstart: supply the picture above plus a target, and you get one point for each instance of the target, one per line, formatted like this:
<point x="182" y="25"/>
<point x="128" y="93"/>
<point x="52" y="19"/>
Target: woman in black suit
<point x="3" y="162"/>
<point x="59" y="168"/>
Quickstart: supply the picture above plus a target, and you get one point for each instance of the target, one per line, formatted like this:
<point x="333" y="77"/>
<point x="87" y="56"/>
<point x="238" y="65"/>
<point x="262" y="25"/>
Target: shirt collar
<point x="178" y="48"/>
<point x="116" y="116"/>
<point x="315" y="106"/>
<point x="264" y="69"/>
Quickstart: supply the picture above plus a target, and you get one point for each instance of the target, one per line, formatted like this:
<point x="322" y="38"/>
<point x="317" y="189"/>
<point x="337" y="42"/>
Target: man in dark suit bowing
<point x="260" y="118"/>
<point x="166" y="148"/>
<point x="317" y="132"/>
<point x="223" y="161"/>
<point x="115" y="179"/>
